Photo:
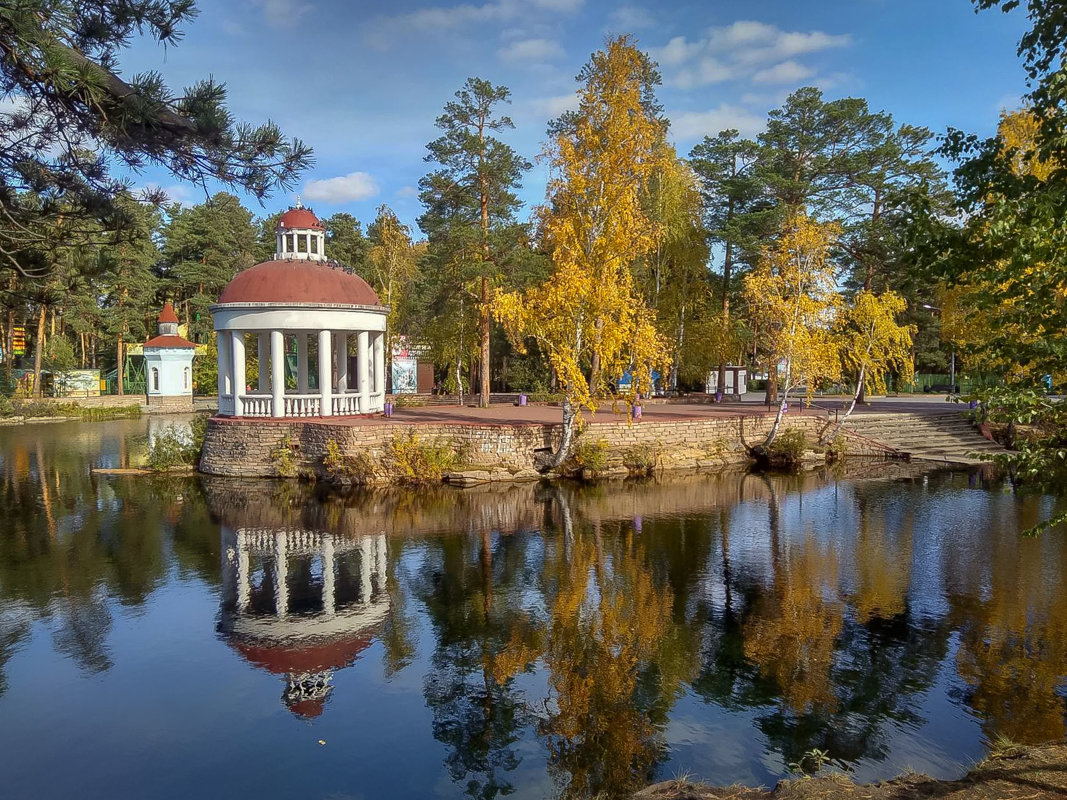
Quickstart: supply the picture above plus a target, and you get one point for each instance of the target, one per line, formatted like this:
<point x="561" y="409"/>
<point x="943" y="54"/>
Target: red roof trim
<point x="172" y="342"/>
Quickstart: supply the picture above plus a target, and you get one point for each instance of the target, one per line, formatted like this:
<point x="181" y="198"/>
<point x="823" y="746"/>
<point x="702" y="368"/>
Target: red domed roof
<point x="299" y="218"/>
<point x="282" y="659"/>
<point x="298" y="282"/>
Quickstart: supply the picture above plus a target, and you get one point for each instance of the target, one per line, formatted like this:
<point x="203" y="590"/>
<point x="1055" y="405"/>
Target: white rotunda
<point x="288" y="307"/>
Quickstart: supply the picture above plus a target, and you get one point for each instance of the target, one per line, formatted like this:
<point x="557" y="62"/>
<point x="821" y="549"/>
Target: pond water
<point x="216" y="638"/>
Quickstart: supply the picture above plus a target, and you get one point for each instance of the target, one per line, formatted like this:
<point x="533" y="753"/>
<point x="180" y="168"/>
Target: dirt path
<point x="1037" y="773"/>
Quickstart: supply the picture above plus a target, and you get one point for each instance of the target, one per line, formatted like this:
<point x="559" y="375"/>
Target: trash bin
<point x="522" y="399"/>
<point x="637" y="413"/>
<point x="388" y="409"/>
<point x="718" y="397"/>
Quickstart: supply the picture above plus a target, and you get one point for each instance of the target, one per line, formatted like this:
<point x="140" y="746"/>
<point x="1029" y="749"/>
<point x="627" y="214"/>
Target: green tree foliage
<point x="129" y="283"/>
<point x="75" y="118"/>
<point x="471" y="203"/>
<point x="205" y="246"/>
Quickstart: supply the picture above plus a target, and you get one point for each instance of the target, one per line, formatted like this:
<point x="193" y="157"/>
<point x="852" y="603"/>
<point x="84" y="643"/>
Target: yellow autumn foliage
<point x="872" y="343"/>
<point x="588" y="315"/>
<point x="793" y="293"/>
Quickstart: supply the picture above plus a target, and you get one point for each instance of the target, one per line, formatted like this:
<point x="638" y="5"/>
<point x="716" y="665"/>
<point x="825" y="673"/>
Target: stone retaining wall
<point x="242" y="447"/>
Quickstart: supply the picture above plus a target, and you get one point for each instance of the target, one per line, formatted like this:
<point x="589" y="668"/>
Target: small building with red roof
<point x="169" y="365"/>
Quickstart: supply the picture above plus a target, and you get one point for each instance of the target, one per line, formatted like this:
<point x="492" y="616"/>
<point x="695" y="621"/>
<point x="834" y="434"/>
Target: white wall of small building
<point x="174" y="368"/>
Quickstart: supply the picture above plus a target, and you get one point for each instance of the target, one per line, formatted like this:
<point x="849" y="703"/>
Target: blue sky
<point x="362" y="82"/>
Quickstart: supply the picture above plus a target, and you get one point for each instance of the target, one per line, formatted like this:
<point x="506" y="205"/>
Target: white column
<point x="237" y="347"/>
<point x="340" y="344"/>
<point x="379" y="369"/>
<point x="277" y="374"/>
<point x="281" y="575"/>
<point x="365" y="545"/>
<point x="243" y="589"/>
<point x="364" y="372"/>
<point x="225" y="362"/>
<point x="328" y="599"/>
<point x="302" y="362"/>
<point x="325" y="376"/>
<point x="263" y="354"/>
<point x="379" y="552"/>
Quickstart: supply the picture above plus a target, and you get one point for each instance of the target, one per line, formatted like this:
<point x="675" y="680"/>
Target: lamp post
<point x="952" y="363"/>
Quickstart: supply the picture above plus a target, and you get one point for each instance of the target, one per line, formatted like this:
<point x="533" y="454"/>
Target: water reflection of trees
<point x="567" y="621"/>
<point x="73" y="543"/>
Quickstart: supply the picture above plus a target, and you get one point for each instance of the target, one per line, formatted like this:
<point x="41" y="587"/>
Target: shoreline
<point x="1011" y="772"/>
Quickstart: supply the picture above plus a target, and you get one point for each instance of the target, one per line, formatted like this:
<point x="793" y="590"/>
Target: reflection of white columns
<point x="363" y="349"/>
<point x="302" y="362"/>
<point x="341" y="357"/>
<point x="263" y="356"/>
<point x="365" y="555"/>
<point x="277" y="373"/>
<point x="325" y="395"/>
<point x="281" y="575"/>
<point x="379" y="558"/>
<point x="237" y="348"/>
<point x="243" y="589"/>
<point x="225" y="360"/>
<point x="327" y="576"/>
<point x="379" y="365"/>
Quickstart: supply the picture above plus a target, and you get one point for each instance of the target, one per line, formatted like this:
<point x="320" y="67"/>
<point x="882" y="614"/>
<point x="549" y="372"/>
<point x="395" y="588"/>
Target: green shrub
<point x="171" y="448"/>
<point x="7" y="408"/>
<point x="589" y="456"/>
<point x="837" y="449"/>
<point x="642" y="459"/>
<point x="413" y="461"/>
<point x="341" y="466"/>
<point x="282" y="459"/>
<point x="788" y="446"/>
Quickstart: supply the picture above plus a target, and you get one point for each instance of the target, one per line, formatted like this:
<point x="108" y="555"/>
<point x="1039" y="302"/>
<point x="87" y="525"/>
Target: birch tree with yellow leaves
<point x="873" y="343"/>
<point x="793" y="294"/>
<point x="588" y="315"/>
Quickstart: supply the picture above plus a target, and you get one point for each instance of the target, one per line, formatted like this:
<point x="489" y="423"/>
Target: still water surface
<point x="214" y="638"/>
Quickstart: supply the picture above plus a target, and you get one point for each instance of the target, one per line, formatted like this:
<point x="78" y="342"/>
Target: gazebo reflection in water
<point x="302" y="604"/>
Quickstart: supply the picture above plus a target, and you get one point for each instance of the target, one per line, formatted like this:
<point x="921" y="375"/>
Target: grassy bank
<point x="1011" y="773"/>
<point x="35" y="409"/>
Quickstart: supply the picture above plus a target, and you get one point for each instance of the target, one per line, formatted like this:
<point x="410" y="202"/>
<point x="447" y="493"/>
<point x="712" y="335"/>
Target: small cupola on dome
<point x="300" y="235"/>
<point x="168" y="321"/>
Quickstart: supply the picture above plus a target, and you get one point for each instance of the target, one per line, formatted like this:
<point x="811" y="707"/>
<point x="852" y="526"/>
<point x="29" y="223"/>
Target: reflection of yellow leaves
<point x="607" y="621"/>
<point x="1013" y="651"/>
<point x="883" y="568"/>
<point x="790" y="635"/>
<point x="523" y="648"/>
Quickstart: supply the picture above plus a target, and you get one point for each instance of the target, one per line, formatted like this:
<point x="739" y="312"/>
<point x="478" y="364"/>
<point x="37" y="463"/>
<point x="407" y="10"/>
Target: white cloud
<point x="743" y="49"/>
<point x="383" y="31"/>
<point x="691" y="125"/>
<point x="531" y="51"/>
<point x="626" y="19"/>
<point x="785" y="72"/>
<point x="283" y="13"/>
<point x="706" y="71"/>
<point x="552" y="107"/>
<point x="343" y="189"/>
<point x="406" y="191"/>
